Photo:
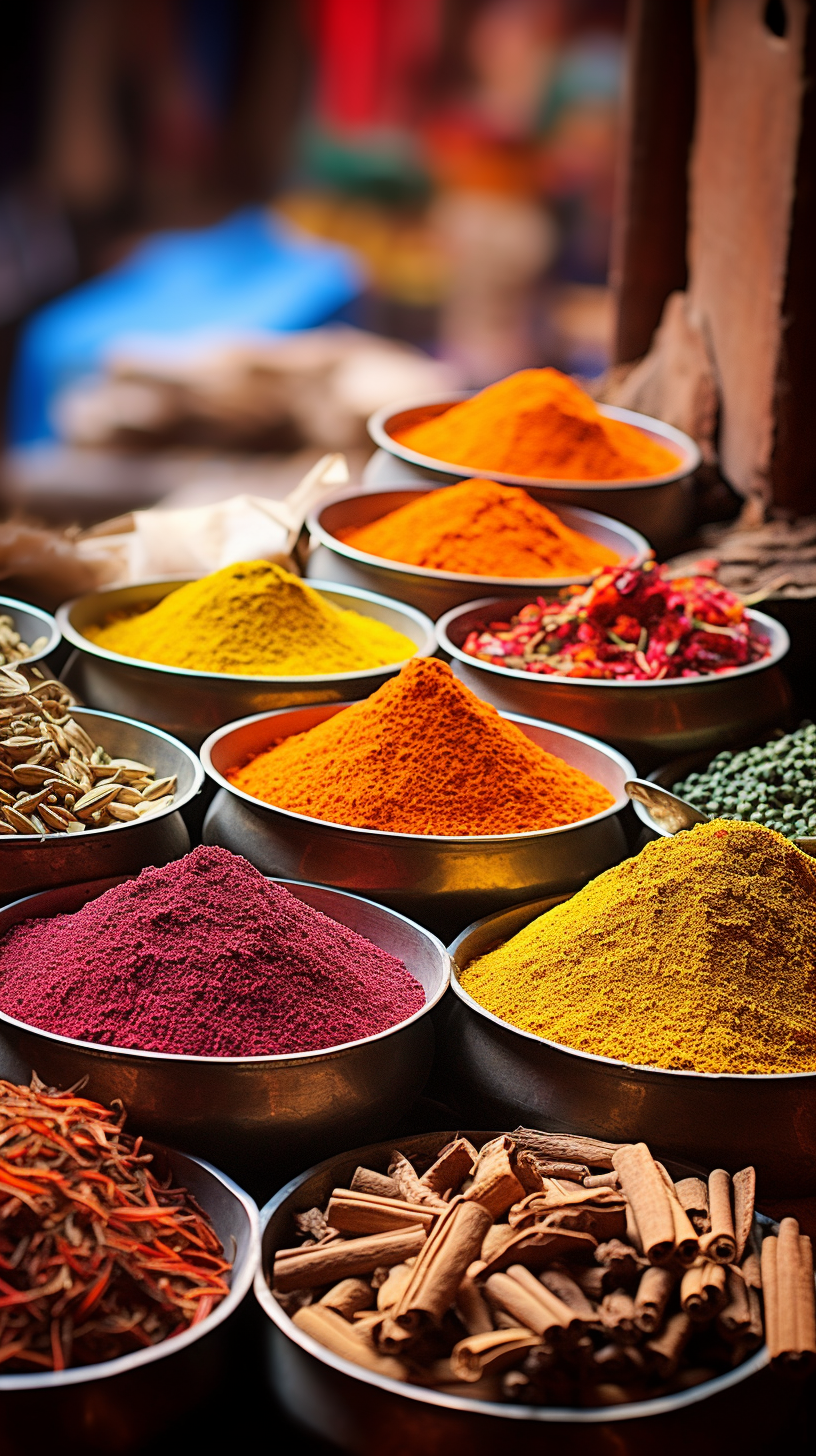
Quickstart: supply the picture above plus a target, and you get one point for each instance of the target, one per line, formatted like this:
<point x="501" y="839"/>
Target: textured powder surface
<point x="422" y="755"/>
<point x="254" y="618"/>
<point x="481" y="528"/>
<point x="203" y="957"/>
<point x="538" y="423"/>
<point x="698" y="953"/>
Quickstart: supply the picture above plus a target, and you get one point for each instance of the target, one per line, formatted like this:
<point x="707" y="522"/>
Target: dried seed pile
<point x="99" y="1256"/>
<point x="53" y="778"/>
<point x="12" y="646"/>
<point x="548" y="1269"/>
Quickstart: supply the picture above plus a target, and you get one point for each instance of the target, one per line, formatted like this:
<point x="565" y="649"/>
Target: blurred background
<point x="229" y="229"/>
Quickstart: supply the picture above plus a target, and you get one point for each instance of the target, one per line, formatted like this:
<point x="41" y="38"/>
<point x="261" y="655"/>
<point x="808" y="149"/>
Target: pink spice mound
<point x="203" y="957"/>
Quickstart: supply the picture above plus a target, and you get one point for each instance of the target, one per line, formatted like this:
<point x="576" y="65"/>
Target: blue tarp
<point x="251" y="272"/>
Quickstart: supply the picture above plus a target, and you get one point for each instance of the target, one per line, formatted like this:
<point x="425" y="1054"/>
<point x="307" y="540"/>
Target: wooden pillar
<point x="649" y="243"/>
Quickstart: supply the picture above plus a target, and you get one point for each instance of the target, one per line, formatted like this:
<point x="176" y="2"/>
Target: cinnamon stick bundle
<point x="521" y="1295"/>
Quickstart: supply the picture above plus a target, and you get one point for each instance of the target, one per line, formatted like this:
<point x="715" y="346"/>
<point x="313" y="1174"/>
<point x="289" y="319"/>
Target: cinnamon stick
<point x="744" y="1184"/>
<point x="806" y="1304"/>
<point x="618" y="1315"/>
<point x="686" y="1239"/>
<point x="345" y="1258"/>
<point x="391" y="1291"/>
<point x="451" y="1167"/>
<point x="409" y="1187"/>
<point x="720" y="1244"/>
<point x="480" y="1355"/>
<point x="770" y="1294"/>
<point x="656" y="1284"/>
<point x="735" y="1317"/>
<point x="538" y="1247"/>
<point x="666" y="1348"/>
<point x="645" y="1190"/>
<point x="692" y="1194"/>
<point x="565" y="1288"/>
<point x="368" y="1213"/>
<point x="573" y="1149"/>
<point x="472" y="1307"/>
<point x="495" y="1185"/>
<point x="348" y="1297"/>
<point x="330" y="1329"/>
<point x="602" y="1180"/>
<point x="531" y="1170"/>
<point x="365" y="1180"/>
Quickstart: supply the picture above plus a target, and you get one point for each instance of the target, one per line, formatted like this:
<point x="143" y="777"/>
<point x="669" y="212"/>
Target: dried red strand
<point x="99" y="1258"/>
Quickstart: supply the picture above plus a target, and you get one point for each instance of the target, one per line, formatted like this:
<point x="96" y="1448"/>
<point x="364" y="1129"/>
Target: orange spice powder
<point x="481" y="528"/>
<point x="423" y="755"/>
<point x="538" y="423"/>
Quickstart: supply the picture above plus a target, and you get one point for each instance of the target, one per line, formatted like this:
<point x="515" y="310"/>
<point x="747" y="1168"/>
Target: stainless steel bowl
<point x="494" y="1072"/>
<point x="258" y="1117"/>
<point x="118" y="1405"/>
<point x="30" y="863"/>
<point x="439" y="880"/>
<point x="659" y="506"/>
<point x="434" y="591"/>
<point x="649" y="721"/>
<point x="31" y="622"/>
<point x="368" y="1414"/>
<point x="191" y="704"/>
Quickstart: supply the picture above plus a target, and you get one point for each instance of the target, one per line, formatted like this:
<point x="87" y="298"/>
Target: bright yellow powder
<point x="257" y="620"/>
<point x="698" y="953"/>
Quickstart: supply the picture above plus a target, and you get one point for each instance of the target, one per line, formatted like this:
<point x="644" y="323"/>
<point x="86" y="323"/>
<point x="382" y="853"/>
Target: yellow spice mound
<point x="254" y="619"/>
<point x="699" y="953"/>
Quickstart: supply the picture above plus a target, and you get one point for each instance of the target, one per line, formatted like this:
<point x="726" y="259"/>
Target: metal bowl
<point x="434" y="591"/>
<point x="659" y="506"/>
<point x="118" y="1405"/>
<point x="367" y="1413"/>
<point x="439" y="880"/>
<point x="649" y="721"/>
<point x="29" y="863"/>
<point x="258" y="1117"/>
<point x="497" y="1073"/>
<point x="31" y="622"/>
<point x="191" y="704"/>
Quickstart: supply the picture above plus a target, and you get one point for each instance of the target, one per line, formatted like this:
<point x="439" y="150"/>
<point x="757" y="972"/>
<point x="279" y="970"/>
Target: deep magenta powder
<point x="206" y="958"/>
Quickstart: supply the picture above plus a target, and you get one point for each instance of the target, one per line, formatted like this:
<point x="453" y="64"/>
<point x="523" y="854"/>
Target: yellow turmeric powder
<point x="699" y="953"/>
<point x="254" y="619"/>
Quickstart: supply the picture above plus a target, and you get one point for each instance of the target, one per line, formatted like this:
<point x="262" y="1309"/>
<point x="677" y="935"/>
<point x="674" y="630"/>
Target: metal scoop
<point x="669" y="813"/>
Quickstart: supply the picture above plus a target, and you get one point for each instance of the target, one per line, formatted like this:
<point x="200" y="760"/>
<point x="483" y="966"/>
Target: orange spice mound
<point x="538" y="423"/>
<point x="423" y="755"/>
<point x="481" y="528"/>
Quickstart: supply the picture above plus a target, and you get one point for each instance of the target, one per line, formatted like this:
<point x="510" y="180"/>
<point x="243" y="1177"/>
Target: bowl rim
<point x="640" y="546"/>
<point x="239" y="1288"/>
<point x="541" y="907"/>
<point x="777" y="635"/>
<point x="690" y="457"/>
<point x="277" y="1059"/>
<point x="84" y="644"/>
<point x="384" y="834"/>
<point x="659" y="1405"/>
<point x="10" y="605"/>
<point x="7" y="842"/>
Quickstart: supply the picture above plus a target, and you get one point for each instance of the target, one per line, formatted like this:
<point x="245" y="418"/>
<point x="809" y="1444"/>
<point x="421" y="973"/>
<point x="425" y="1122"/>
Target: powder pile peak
<point x="203" y="957"/>
<point x="699" y="953"/>
<point x="422" y="755"/>
<point x="538" y="423"/>
<point x="482" y="528"/>
<point x="254" y="618"/>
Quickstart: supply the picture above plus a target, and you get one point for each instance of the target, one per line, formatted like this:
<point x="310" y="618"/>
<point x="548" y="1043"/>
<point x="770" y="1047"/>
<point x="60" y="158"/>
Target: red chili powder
<point x="203" y="957"/>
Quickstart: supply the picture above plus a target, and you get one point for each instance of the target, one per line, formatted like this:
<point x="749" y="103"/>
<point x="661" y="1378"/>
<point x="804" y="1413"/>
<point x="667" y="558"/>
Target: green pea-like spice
<point x="774" y="785"/>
